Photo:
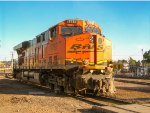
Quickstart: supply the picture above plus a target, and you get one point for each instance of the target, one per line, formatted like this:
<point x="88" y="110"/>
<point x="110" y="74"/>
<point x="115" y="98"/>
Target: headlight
<point x="91" y="39"/>
<point x="102" y="71"/>
<point x="86" y="62"/>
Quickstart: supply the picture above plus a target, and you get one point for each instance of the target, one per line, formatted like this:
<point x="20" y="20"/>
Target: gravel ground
<point x="17" y="97"/>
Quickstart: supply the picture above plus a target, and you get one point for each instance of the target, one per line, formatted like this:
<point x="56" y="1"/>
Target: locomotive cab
<point x="87" y="46"/>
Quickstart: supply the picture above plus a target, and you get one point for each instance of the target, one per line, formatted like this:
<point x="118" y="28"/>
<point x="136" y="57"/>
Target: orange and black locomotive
<point x="72" y="56"/>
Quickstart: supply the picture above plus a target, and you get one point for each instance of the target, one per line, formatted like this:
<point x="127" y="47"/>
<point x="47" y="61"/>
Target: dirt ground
<point x="133" y="92"/>
<point x="16" y="97"/>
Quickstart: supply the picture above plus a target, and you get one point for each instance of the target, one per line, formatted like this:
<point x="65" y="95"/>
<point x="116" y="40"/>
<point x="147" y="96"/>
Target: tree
<point x="117" y="65"/>
<point x="147" y="56"/>
<point x="122" y="61"/>
<point x="132" y="61"/>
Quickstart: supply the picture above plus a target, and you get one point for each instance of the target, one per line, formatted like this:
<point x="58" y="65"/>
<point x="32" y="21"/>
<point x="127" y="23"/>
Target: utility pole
<point x="143" y="58"/>
<point x="12" y="61"/>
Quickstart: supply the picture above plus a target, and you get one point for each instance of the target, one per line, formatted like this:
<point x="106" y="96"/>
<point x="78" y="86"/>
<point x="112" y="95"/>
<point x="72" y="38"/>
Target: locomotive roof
<point x="77" y="20"/>
<point x="24" y="44"/>
<point x="27" y="43"/>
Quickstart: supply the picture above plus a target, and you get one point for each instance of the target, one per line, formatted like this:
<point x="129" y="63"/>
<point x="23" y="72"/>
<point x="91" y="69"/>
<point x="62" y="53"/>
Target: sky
<point x="126" y="24"/>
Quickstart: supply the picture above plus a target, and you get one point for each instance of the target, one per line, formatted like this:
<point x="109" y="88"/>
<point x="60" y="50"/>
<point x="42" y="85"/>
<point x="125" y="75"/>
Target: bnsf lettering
<point x="88" y="46"/>
<point x="80" y="46"/>
<point x="76" y="46"/>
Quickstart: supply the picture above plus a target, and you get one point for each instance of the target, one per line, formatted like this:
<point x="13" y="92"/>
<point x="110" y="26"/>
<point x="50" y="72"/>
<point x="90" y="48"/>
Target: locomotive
<point x="72" y="57"/>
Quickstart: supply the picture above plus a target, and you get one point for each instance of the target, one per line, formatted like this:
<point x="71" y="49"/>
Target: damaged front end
<point x="96" y="82"/>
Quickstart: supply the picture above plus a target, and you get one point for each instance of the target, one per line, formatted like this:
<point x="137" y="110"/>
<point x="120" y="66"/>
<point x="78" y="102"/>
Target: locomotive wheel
<point x="58" y="89"/>
<point x="83" y="92"/>
<point x="43" y="79"/>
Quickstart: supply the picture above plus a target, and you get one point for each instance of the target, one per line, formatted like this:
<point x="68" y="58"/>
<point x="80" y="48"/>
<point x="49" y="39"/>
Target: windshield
<point x="93" y="30"/>
<point x="69" y="31"/>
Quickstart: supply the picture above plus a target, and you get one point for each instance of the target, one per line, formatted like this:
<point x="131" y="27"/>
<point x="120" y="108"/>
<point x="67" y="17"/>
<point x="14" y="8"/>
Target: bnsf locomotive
<point x="72" y="56"/>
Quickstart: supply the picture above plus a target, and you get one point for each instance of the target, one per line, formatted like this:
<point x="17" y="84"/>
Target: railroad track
<point x="134" y="82"/>
<point x="103" y="100"/>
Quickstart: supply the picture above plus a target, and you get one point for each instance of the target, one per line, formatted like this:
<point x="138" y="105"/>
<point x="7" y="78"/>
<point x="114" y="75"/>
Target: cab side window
<point x="53" y="32"/>
<point x="38" y="39"/>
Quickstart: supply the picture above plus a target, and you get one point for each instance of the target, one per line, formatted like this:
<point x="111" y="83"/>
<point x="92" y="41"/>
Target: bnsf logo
<point x="84" y="48"/>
